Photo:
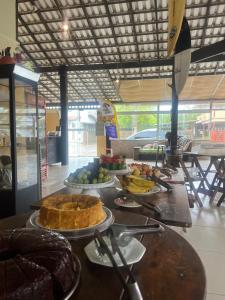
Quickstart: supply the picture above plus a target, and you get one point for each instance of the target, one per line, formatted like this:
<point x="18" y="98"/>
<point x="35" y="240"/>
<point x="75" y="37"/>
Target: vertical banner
<point x="109" y="117"/>
<point x="176" y="10"/>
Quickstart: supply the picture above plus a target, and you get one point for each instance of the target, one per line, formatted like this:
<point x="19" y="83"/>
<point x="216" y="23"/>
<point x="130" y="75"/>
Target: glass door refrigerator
<point x="19" y="151"/>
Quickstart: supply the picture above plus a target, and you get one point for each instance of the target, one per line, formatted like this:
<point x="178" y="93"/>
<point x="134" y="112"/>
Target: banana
<point x="141" y="182"/>
<point x="135" y="189"/>
<point x="147" y="184"/>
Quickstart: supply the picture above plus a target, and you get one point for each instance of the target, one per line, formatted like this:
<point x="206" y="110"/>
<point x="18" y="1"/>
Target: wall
<point x="8" y="24"/>
<point x="52" y="120"/>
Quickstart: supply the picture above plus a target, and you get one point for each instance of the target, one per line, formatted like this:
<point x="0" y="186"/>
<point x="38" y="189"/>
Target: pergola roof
<point x="110" y="31"/>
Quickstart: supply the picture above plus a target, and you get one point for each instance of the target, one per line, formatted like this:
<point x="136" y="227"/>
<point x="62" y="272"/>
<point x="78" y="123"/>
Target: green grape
<point x="100" y="180"/>
<point x="84" y="177"/>
<point x="100" y="176"/>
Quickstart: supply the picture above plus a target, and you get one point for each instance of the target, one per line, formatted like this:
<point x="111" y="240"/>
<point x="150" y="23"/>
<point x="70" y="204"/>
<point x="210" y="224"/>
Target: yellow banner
<point x="176" y="9"/>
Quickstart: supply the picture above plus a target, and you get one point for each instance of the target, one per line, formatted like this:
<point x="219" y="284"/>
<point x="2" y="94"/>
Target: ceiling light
<point x="65" y="27"/>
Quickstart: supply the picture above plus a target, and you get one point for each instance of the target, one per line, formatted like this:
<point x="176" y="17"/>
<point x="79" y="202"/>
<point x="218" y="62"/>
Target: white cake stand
<point x="119" y="172"/>
<point x="90" y="189"/>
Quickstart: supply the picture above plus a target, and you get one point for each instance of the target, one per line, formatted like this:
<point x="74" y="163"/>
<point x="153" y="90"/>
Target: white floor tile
<point x="214" y="264"/>
<point x="206" y="238"/>
<point x="215" y="297"/>
<point x="209" y="216"/>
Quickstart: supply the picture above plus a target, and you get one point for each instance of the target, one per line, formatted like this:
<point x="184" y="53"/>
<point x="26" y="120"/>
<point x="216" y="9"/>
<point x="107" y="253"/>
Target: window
<point x="148" y="134"/>
<point x="202" y="120"/>
<point x="136" y="107"/>
<point x="131" y="124"/>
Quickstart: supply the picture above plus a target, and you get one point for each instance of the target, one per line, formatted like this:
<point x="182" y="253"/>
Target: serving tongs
<point x="160" y="182"/>
<point x="138" y="200"/>
<point x="124" y="233"/>
<point x="131" y="287"/>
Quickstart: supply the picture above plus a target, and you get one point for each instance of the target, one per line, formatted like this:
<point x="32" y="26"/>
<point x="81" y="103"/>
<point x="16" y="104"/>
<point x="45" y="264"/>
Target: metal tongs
<point x="160" y="182"/>
<point x="120" y="235"/>
<point x="124" y="233"/>
<point x="137" y="199"/>
<point x="131" y="287"/>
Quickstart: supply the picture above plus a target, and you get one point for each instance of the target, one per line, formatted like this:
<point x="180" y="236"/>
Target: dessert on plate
<point x="71" y="212"/>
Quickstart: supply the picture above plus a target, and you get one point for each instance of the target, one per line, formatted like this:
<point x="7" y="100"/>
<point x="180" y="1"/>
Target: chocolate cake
<point x="35" y="264"/>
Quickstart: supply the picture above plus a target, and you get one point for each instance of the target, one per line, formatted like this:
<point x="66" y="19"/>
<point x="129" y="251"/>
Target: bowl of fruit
<point x="139" y="186"/>
<point x="144" y="170"/>
<point x="90" y="176"/>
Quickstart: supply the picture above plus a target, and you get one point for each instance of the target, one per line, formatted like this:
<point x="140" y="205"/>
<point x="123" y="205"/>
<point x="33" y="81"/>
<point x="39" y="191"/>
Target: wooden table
<point x="216" y="161"/>
<point x="174" y="205"/>
<point x="169" y="270"/>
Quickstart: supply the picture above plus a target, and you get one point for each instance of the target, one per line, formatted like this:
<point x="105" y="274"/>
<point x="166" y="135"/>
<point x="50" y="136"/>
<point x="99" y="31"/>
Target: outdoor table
<point x="174" y="205"/>
<point x="169" y="270"/>
<point x="216" y="161"/>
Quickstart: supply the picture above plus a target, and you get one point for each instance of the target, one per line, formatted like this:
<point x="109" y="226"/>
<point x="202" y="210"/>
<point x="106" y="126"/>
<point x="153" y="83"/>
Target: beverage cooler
<point x="19" y="150"/>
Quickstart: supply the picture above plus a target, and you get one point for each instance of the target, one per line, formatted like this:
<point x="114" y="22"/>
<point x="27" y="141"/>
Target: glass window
<point x="132" y="124"/>
<point x="165" y="107"/>
<point x="26" y="135"/>
<point x="146" y="134"/>
<point x="164" y="124"/>
<point x="194" y="106"/>
<point x="82" y="132"/>
<point x="217" y="133"/>
<point x="5" y="141"/>
<point x="218" y="105"/>
<point x="136" y="107"/>
<point x="194" y="125"/>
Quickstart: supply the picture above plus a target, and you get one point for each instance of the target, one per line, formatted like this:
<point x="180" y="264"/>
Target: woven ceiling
<point x="109" y="31"/>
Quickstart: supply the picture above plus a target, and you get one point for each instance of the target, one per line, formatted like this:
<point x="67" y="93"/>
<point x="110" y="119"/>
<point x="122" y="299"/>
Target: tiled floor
<point x="207" y="234"/>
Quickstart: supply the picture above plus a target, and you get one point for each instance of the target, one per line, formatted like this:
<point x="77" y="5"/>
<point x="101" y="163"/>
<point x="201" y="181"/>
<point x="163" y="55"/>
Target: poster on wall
<point x="107" y="115"/>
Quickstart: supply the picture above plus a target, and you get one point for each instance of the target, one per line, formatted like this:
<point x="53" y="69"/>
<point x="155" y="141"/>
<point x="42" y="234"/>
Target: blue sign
<point x="111" y="131"/>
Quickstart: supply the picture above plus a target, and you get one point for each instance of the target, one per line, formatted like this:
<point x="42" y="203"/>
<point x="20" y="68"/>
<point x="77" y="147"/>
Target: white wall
<point x="8" y="24"/>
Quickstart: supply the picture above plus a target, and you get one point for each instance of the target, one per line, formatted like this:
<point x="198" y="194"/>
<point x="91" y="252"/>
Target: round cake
<point x="35" y="264"/>
<point x="71" y="212"/>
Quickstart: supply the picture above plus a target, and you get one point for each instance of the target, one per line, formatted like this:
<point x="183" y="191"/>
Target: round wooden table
<point x="169" y="270"/>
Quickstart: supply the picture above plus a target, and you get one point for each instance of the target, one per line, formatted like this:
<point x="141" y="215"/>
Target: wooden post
<point x="64" y="116"/>
<point x="174" y="115"/>
<point x="174" y="119"/>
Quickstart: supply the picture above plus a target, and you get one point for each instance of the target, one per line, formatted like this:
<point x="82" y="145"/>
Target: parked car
<point x="147" y="134"/>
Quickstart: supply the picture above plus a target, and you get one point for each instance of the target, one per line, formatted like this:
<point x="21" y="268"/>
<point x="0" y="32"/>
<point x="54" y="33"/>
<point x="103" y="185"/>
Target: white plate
<point x="73" y="234"/>
<point x="132" y="253"/>
<point x="155" y="189"/>
<point x="89" y="186"/>
<point x="126" y="203"/>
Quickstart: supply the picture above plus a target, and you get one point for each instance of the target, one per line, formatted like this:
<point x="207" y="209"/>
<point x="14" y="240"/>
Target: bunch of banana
<point x="136" y="185"/>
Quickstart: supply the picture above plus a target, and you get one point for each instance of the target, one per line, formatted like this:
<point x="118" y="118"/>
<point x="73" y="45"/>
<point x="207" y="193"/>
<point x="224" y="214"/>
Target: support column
<point x="174" y="120"/>
<point x="64" y="116"/>
<point x="174" y="115"/>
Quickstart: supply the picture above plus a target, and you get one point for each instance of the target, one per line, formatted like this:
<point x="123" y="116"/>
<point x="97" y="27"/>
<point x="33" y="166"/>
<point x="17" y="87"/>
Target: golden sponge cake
<point x="71" y="212"/>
